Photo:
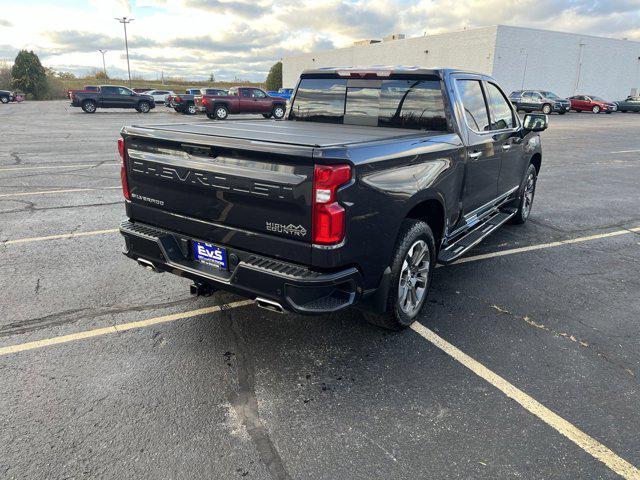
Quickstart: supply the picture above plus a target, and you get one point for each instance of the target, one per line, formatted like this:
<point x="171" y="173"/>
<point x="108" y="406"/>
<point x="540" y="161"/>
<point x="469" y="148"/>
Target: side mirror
<point x="535" y="122"/>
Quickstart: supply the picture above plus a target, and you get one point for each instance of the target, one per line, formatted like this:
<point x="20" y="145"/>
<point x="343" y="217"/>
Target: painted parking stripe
<point x="573" y="433"/>
<point x="627" y="151"/>
<point x="50" y="192"/>
<point x="542" y="246"/>
<point x="62" y="235"/>
<point x="50" y="167"/>
<point x="577" y="436"/>
<point x="98" y="332"/>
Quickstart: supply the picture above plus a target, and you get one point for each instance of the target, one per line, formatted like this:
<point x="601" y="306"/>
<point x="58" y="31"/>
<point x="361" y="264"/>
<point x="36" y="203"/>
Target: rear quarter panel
<point x="390" y="178"/>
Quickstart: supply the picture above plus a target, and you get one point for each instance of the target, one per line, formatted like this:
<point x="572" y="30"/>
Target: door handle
<point x="506" y="148"/>
<point x="475" y="155"/>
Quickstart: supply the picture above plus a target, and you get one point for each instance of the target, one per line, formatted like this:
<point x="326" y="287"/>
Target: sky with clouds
<point x="243" y="38"/>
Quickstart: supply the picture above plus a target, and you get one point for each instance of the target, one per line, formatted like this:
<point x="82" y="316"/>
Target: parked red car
<point x="86" y="88"/>
<point x="244" y="100"/>
<point x="592" y="103"/>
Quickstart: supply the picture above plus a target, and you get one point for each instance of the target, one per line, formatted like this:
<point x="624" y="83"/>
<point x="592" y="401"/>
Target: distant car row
<point x="548" y="102"/>
<point x="6" y="96"/>
<point x="219" y="104"/>
<point x="216" y="103"/>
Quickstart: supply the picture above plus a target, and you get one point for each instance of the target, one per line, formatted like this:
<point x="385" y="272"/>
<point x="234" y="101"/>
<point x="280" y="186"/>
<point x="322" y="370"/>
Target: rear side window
<point x="501" y="113"/>
<point x="110" y="90"/>
<point x="473" y="102"/>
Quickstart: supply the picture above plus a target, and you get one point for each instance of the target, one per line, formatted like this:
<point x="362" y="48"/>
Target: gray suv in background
<point x="541" y="100"/>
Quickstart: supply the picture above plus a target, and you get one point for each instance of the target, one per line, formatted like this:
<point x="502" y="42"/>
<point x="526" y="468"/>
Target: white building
<point x="564" y="63"/>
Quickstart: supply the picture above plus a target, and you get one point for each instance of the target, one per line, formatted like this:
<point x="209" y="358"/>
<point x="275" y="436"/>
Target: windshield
<point x="550" y="95"/>
<point x="403" y="103"/>
<point x="597" y="99"/>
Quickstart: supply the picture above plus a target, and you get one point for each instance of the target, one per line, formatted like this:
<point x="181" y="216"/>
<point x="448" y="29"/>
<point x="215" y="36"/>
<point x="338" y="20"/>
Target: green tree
<point x="28" y="74"/>
<point x="5" y="76"/>
<point x="274" y="79"/>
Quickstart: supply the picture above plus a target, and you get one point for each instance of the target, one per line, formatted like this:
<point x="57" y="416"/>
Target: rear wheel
<point x="191" y="110"/>
<point x="221" y="112"/>
<point x="546" y="109"/>
<point x="89" y="106"/>
<point x="596" y="109"/>
<point x="278" y="112"/>
<point x="525" y="201"/>
<point x="144" y="107"/>
<point x="411" y="272"/>
<point x="211" y="116"/>
<point x="4" y="99"/>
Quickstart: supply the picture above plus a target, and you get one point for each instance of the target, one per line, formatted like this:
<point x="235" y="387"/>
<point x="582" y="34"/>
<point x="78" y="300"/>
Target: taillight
<point x="123" y="168"/>
<point x="205" y="101"/>
<point x="328" y="214"/>
<point x="177" y="99"/>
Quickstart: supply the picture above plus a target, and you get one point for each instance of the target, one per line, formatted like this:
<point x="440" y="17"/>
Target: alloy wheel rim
<point x="278" y="112"/>
<point x="222" y="113"/>
<point x="414" y="277"/>
<point x="529" y="190"/>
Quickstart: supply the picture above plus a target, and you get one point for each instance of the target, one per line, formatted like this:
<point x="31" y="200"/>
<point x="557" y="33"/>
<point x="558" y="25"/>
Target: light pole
<point x="124" y="21"/>
<point x="524" y="72"/>
<point x="104" y="65"/>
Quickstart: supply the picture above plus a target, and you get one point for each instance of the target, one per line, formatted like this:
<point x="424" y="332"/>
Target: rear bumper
<point x="296" y="288"/>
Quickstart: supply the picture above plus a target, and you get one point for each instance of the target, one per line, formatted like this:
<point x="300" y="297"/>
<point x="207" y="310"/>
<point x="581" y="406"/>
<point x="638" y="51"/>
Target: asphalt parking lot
<point x="110" y="371"/>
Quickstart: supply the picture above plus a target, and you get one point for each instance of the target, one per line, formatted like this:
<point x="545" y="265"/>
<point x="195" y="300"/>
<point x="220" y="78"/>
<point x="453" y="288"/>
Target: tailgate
<point x="234" y="192"/>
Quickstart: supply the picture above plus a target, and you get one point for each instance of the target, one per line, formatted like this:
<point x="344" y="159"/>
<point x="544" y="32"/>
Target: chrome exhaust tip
<point x="147" y="264"/>
<point x="269" y="305"/>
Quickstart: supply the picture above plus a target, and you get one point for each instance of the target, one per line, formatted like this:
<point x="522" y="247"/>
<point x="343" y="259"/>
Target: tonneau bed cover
<point x="302" y="134"/>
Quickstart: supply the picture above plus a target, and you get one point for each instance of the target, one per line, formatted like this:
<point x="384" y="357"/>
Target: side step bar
<point x="479" y="232"/>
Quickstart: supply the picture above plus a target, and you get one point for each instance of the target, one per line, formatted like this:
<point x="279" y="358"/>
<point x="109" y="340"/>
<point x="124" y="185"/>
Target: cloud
<point x="192" y="38"/>
<point x="249" y="9"/>
<point x="77" y="41"/>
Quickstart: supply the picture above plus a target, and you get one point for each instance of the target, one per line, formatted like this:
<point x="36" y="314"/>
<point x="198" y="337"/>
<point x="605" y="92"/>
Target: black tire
<point x="144" y="107"/>
<point x="561" y="113"/>
<point x="4" y="99"/>
<point x="578" y="111"/>
<point x="525" y="201"/>
<point x="211" y="116"/>
<point x="267" y="115"/>
<point x="220" y="112"/>
<point x="546" y="109"/>
<point x="608" y="112"/>
<point x="278" y="112"/>
<point x="623" y="111"/>
<point x="596" y="109"/>
<point x="412" y="233"/>
<point x="89" y="106"/>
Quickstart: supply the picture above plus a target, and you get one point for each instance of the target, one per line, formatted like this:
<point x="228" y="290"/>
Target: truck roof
<point x="304" y="134"/>
<point x="384" y="70"/>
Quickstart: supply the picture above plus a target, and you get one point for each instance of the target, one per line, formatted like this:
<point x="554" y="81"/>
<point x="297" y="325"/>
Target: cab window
<point x="258" y="94"/>
<point x="501" y="114"/>
<point x="474" y="104"/>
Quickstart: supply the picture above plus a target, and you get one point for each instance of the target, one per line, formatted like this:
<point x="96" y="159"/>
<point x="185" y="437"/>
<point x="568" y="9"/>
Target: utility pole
<point x="579" y="68"/>
<point x="526" y="61"/>
<point x="104" y="65"/>
<point x="124" y="21"/>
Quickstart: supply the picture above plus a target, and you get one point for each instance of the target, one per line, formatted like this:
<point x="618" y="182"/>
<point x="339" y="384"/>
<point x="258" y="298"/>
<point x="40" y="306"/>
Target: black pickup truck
<point x="112" y="96"/>
<point x="372" y="179"/>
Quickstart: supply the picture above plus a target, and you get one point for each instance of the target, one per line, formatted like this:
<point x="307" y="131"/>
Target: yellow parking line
<point x="62" y="235"/>
<point x="47" y="192"/>
<point x="541" y="246"/>
<point x="48" y="167"/>
<point x="573" y="433"/>
<point x="97" y="332"/>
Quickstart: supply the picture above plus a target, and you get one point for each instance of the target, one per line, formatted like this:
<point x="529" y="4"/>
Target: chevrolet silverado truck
<point x="374" y="177"/>
<point x="111" y="96"/>
<point x="244" y="100"/>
